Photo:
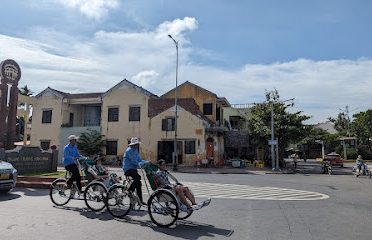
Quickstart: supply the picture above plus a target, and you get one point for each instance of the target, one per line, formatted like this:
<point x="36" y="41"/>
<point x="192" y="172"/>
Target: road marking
<point x="236" y="191"/>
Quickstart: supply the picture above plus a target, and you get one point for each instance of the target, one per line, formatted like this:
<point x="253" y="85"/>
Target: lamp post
<point x="321" y="142"/>
<point x="175" y="155"/>
<point x="275" y="160"/>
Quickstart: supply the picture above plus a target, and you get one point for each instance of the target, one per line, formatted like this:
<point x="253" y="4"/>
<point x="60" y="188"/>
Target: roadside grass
<point x="48" y="174"/>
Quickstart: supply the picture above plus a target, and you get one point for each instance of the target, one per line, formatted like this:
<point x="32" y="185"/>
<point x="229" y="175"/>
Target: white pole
<point x="175" y="155"/>
<point x="272" y="138"/>
<point x="277" y="154"/>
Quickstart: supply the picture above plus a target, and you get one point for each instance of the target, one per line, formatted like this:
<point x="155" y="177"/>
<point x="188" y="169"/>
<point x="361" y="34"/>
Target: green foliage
<point x="91" y="142"/>
<point x="288" y="127"/>
<point x="342" y="123"/>
<point x="362" y="127"/>
<point x="365" y="152"/>
<point x="25" y="91"/>
<point x="351" y="153"/>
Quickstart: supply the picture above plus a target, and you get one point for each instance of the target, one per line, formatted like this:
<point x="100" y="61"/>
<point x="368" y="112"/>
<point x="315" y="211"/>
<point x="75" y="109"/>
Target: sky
<point x="318" y="52"/>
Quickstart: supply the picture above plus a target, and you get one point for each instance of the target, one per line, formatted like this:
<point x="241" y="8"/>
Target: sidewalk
<point x="221" y="170"/>
<point x="44" y="182"/>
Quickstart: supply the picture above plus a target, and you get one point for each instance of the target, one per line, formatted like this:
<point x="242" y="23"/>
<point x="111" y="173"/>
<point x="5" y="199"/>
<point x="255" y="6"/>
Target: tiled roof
<point x="192" y="84"/>
<point x="157" y="106"/>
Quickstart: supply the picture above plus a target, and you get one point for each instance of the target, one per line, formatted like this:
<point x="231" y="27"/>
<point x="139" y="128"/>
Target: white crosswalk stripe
<point x="236" y="191"/>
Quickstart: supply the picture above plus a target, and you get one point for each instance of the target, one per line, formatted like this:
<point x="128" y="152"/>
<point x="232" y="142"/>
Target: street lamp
<point x="273" y="142"/>
<point x="175" y="155"/>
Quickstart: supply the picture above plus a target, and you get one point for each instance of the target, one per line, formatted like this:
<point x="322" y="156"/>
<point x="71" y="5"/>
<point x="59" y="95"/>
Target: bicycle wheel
<point x="184" y="215"/>
<point x="118" y="201"/>
<point x="163" y="208"/>
<point x="95" y="195"/>
<point x="59" y="193"/>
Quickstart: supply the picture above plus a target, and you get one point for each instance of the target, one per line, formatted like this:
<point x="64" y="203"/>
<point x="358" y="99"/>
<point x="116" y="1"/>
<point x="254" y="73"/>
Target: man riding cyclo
<point x="131" y="162"/>
<point x="70" y="157"/>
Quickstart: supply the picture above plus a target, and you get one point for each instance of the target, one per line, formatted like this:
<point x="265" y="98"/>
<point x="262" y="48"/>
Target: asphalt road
<point x="244" y="206"/>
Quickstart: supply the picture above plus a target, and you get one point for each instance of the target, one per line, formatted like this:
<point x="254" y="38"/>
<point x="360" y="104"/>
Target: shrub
<point x="91" y="142"/>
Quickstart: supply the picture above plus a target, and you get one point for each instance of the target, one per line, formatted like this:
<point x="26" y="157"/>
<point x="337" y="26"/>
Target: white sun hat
<point x="72" y="137"/>
<point x="134" y="141"/>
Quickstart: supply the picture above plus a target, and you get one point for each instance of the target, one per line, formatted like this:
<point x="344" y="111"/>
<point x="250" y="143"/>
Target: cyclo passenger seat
<point x="150" y="170"/>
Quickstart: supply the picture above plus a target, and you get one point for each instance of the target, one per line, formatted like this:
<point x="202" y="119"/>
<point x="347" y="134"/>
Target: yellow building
<point x="211" y="107"/>
<point x="127" y="110"/>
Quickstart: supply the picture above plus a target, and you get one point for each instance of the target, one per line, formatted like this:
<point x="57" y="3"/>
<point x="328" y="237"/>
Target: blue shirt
<point x="69" y="153"/>
<point x="132" y="159"/>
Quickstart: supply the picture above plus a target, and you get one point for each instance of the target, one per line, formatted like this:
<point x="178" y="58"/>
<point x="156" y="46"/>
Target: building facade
<point x="127" y="110"/>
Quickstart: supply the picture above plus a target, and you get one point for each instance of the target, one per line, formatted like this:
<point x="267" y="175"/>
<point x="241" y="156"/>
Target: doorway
<point x="210" y="148"/>
<point x="165" y="151"/>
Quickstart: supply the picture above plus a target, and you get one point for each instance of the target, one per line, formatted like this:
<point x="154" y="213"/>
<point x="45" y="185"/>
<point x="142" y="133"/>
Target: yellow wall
<point x="123" y="130"/>
<point x="188" y="90"/>
<point x="187" y="125"/>
<point x="46" y="131"/>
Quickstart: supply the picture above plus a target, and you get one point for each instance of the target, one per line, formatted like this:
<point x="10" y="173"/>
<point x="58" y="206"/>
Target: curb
<point x="34" y="182"/>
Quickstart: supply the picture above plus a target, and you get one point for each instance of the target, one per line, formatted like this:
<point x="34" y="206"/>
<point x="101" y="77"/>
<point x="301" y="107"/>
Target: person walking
<point x="131" y="161"/>
<point x="70" y="156"/>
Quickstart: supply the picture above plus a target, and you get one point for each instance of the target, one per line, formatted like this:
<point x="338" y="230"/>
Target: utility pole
<point x="273" y="142"/>
<point x="348" y="120"/>
<point x="272" y="139"/>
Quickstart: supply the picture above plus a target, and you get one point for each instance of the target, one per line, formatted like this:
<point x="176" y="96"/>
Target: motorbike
<point x="327" y="167"/>
<point x="363" y="170"/>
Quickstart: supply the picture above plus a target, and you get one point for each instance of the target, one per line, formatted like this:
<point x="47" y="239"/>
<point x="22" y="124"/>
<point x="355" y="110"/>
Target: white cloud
<point x="95" y="9"/>
<point x="146" y="78"/>
<point x="148" y="59"/>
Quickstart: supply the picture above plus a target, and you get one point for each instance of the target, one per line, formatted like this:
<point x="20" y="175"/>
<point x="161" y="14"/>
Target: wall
<point x="46" y="131"/>
<point x="124" y="130"/>
<point x="67" y="131"/>
<point x="31" y="159"/>
<point x="201" y="96"/>
<point x="189" y="127"/>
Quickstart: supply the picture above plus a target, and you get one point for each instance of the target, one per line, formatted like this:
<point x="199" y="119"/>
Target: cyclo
<point x="163" y="206"/>
<point x="94" y="193"/>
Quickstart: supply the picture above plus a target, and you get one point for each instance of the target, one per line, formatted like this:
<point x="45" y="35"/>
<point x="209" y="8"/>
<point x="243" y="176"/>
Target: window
<point x="47" y="116"/>
<point x="207" y="109"/>
<point x="111" y="147"/>
<point x="190" y="147"/>
<point x="168" y="124"/>
<point x="45" y="144"/>
<point x="113" y="114"/>
<point x="134" y="113"/>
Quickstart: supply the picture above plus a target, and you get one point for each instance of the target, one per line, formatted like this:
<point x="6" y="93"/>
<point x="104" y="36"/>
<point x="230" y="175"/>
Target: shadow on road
<point x="33" y="192"/>
<point x="8" y="196"/>
<point x="182" y="229"/>
<point x="192" y="230"/>
<point x="86" y="212"/>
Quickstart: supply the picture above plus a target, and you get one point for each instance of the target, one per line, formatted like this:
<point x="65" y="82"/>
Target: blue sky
<point x="318" y="52"/>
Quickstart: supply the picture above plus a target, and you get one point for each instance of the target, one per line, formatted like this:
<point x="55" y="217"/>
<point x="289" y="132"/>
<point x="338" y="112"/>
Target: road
<point x="244" y="206"/>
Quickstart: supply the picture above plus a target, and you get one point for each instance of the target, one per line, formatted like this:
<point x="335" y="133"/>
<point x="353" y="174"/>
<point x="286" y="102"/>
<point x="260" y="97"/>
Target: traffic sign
<point x="273" y="142"/>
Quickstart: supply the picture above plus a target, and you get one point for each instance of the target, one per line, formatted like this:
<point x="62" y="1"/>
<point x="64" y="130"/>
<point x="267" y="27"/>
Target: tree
<point x="91" y="142"/>
<point x="342" y="123"/>
<point x="361" y="127"/>
<point x="25" y="91"/>
<point x="289" y="127"/>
